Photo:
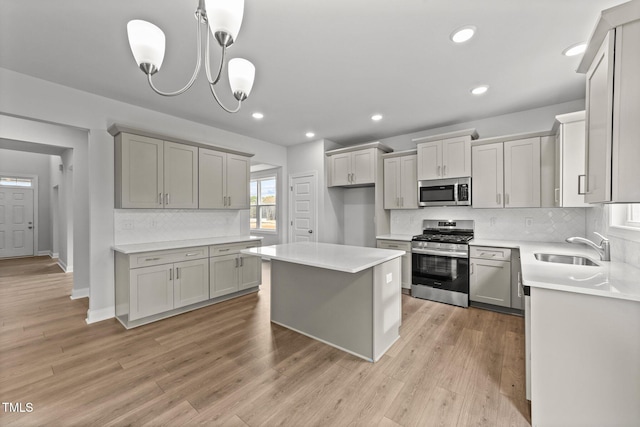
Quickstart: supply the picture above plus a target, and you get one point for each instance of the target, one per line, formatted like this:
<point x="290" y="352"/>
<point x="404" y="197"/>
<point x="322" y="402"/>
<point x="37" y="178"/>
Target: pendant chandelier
<point x="223" y="19"/>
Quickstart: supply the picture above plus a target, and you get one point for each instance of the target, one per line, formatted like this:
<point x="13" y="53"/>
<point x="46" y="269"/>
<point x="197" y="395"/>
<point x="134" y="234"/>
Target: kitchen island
<point x="346" y="296"/>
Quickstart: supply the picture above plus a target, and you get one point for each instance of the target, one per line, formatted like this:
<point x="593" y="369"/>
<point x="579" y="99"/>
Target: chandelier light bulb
<point x="225" y="16"/>
<point x="147" y="43"/>
<point x="241" y="76"/>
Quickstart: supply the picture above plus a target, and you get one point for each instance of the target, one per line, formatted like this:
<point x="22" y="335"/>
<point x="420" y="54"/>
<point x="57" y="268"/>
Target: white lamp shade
<point x="147" y="42"/>
<point x="225" y="16"/>
<point x="241" y="75"/>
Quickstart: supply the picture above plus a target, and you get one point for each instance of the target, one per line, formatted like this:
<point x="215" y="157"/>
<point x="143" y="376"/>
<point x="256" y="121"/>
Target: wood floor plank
<point x="227" y="365"/>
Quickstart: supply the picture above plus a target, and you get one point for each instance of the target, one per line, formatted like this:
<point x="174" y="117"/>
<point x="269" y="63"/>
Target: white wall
<point x="19" y="162"/>
<point x="538" y="119"/>
<point x="310" y="157"/>
<point x="36" y="99"/>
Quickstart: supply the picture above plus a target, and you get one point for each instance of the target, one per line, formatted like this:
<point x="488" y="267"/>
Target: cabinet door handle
<point x="556" y="193"/>
<point x="519" y="286"/>
<point x="166" y="196"/>
<point x="471" y="268"/>
<point x="171" y="274"/>
<point x="402" y="201"/>
<point x="444" y="170"/>
<point x="177" y="273"/>
<point x="229" y="200"/>
<point x="439" y="170"/>
<point x="486" y="254"/>
<point x="236" y="262"/>
<point x="160" y="199"/>
<point x="192" y="254"/>
<point x="223" y="250"/>
<point x="241" y="261"/>
<point x="152" y="259"/>
<point x="506" y="199"/>
<point x="582" y="193"/>
<point x="498" y="198"/>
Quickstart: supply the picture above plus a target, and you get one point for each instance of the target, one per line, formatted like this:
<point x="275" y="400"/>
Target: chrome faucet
<point x="604" y="248"/>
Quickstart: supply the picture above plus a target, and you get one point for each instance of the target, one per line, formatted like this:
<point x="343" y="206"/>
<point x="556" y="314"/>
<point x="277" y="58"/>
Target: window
<point x="625" y="221"/>
<point x="263" y="215"/>
<point x="7" y="181"/>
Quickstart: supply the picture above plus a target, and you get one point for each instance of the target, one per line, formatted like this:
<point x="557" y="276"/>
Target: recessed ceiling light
<point x="310" y="134"/>
<point x="463" y="34"/>
<point x="575" y="49"/>
<point x="376" y="117"/>
<point x="479" y="90"/>
<point x="257" y="116"/>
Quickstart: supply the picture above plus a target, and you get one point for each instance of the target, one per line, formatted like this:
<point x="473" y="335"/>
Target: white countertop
<point x="400" y="237"/>
<point x="349" y="259"/>
<point x="609" y="279"/>
<point x="178" y="244"/>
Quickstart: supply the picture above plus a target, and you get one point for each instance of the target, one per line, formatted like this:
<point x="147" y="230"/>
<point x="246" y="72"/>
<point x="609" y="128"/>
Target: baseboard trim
<point x="53" y="255"/>
<point x="80" y="293"/>
<point x="44" y="253"/>
<point x="94" y="316"/>
<point x="64" y="266"/>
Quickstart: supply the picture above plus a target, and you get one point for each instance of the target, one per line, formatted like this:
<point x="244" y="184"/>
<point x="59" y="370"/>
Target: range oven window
<point x="439" y="193"/>
<point x="441" y="271"/>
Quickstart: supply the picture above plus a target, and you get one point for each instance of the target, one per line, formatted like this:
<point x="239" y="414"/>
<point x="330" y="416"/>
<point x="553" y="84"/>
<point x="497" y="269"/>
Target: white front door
<point x="16" y="222"/>
<point x="302" y="219"/>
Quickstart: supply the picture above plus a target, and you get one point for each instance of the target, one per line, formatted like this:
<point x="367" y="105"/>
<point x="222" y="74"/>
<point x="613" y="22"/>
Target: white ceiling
<point x="324" y="65"/>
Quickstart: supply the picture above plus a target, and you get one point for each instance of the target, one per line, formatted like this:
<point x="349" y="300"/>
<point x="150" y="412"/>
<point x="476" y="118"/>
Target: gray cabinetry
<point x="231" y="271"/>
<point x="406" y="258"/>
<point x="612" y="67"/>
<point x="400" y="180"/>
<point x="569" y="177"/>
<point x="445" y="156"/>
<point x="151" y="173"/>
<point x="225" y="180"/>
<point x="353" y="168"/>
<point x="154" y="285"/>
<point x="490" y="276"/>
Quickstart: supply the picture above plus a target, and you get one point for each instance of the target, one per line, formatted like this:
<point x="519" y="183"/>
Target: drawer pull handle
<point x="393" y="246"/>
<point x="152" y="259"/>
<point x="223" y="250"/>
<point x="192" y="254"/>
<point x="486" y="254"/>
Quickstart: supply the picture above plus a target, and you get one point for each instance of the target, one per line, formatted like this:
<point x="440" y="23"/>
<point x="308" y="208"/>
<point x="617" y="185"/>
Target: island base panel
<point x="355" y="312"/>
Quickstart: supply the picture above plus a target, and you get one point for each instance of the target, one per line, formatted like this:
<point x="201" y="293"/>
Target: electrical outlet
<point x="528" y="222"/>
<point x="127" y="224"/>
<point x="492" y="221"/>
<point x="389" y="277"/>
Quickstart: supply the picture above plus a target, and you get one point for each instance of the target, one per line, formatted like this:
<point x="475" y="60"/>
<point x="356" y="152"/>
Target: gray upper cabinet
<point x="224" y="179"/>
<point x="569" y="175"/>
<point x="612" y="67"/>
<point x="506" y="171"/>
<point x="445" y="156"/>
<point x="400" y="181"/>
<point x="152" y="173"/>
<point x="355" y="166"/>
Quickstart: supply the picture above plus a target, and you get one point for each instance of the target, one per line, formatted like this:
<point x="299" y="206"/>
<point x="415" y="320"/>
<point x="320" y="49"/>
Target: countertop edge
<point x="134" y="248"/>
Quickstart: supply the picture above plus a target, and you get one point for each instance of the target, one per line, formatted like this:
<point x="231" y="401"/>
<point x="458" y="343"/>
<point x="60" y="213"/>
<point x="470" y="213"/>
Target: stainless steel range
<point x="440" y="261"/>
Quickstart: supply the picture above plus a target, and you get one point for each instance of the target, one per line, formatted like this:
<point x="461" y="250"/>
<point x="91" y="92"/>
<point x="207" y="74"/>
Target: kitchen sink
<point x="565" y="259"/>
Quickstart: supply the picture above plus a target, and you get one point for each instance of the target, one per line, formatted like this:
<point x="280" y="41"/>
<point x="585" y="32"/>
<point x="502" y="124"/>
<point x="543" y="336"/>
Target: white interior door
<point x="302" y="214"/>
<point x="16" y="222"/>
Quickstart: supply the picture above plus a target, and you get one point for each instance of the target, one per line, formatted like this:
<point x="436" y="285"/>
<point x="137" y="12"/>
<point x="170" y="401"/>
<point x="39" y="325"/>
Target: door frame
<point x="34" y="179"/>
<point x="293" y="176"/>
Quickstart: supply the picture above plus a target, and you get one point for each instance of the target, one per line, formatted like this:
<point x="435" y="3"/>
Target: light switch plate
<point x="389" y="277"/>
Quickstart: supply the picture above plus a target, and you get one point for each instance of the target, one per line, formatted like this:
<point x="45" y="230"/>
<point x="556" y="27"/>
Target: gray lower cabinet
<point x="400" y="245"/>
<point x="231" y="271"/>
<point x="490" y="276"/>
<point x="154" y="285"/>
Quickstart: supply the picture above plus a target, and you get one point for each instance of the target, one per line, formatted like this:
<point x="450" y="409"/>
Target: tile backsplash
<point x="157" y="225"/>
<point x="535" y="224"/>
<point x="622" y="249"/>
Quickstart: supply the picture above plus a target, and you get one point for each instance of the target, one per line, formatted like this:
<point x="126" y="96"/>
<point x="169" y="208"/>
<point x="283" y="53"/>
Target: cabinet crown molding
<point x="116" y="129"/>
<point x="609" y="19"/>
<point x="456" y="134"/>
<point x="376" y="144"/>
<point x="512" y="137"/>
<point x="400" y="153"/>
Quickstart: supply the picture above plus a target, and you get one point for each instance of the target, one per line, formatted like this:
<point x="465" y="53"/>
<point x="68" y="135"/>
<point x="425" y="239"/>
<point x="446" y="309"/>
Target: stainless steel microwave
<point x="445" y="192"/>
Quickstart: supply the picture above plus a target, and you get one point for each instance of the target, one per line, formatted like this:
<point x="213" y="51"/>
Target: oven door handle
<point x="440" y="253"/>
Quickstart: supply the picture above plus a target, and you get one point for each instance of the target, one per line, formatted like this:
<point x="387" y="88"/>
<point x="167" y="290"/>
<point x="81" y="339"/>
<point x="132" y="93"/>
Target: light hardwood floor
<point x="228" y="365"/>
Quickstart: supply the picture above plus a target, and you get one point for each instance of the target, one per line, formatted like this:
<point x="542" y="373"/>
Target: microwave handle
<point x="455" y="192"/>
